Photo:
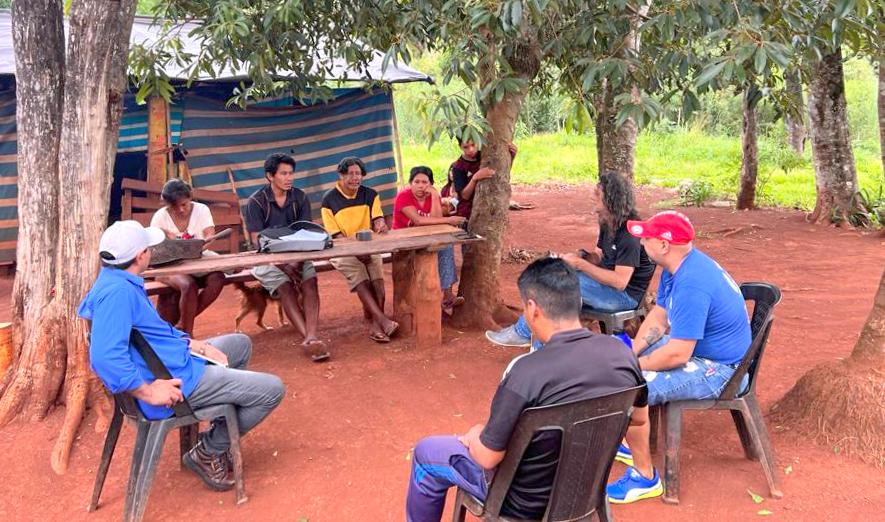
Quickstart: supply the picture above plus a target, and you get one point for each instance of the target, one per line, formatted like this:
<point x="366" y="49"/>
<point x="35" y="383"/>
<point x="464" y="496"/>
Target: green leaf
<point x="756" y="498"/>
<point x="764" y="512"/>
<point x="761" y="60"/>
<point x="710" y="72"/>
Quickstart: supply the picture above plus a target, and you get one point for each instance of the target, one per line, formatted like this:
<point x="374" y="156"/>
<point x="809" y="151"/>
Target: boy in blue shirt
<point x="117" y="303"/>
<point x="709" y="335"/>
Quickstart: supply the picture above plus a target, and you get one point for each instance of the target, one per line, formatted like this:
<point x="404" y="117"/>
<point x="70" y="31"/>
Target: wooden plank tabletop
<point x="413" y="238"/>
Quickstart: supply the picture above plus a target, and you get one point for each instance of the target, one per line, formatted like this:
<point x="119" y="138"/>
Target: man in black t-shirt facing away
<point x="612" y="279"/>
<point x="575" y="364"/>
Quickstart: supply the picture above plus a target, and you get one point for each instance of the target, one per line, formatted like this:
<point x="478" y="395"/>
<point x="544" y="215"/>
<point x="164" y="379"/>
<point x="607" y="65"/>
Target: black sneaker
<point x="213" y="470"/>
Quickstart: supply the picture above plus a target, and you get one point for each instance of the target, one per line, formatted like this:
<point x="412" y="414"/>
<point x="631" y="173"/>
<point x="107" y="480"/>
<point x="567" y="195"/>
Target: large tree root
<point x="75" y="406"/>
<point x="841" y="405"/>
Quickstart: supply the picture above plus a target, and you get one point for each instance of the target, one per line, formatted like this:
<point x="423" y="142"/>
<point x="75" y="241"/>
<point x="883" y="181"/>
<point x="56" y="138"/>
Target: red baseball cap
<point x="670" y="225"/>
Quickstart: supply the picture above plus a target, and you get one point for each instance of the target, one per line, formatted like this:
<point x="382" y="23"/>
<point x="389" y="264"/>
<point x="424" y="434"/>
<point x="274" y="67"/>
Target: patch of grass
<point x="665" y="159"/>
<point x="669" y="155"/>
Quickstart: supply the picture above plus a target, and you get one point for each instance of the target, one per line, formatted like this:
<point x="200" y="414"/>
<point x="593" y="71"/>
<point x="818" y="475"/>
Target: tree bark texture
<point x="33" y="380"/>
<point x="870" y="347"/>
<point x="834" y="169"/>
<point x="491" y="200"/>
<point x="615" y="146"/>
<point x="749" y="155"/>
<point x="79" y="175"/>
<point x="881" y="103"/>
<point x="794" y="120"/>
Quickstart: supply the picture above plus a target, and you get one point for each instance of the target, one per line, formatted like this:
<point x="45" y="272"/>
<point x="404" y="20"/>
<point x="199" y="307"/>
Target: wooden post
<point x="158" y="139"/>
<point x="403" y="291"/>
<point x="427" y="295"/>
<point x="396" y="143"/>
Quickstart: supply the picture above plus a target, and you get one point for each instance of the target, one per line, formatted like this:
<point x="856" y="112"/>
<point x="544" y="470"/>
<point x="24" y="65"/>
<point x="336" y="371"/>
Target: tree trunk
<point x="749" y="153"/>
<point x="77" y="176"/>
<point x="843" y="403"/>
<point x="882" y="111"/>
<point x="794" y="119"/>
<point x="36" y="375"/>
<point x="491" y="200"/>
<point x="615" y="146"/>
<point x="834" y="169"/>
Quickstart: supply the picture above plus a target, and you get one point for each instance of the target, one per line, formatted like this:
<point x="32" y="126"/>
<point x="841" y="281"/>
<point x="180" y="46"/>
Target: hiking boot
<point x="633" y="486"/>
<point x="214" y="470"/>
<point x="508" y="337"/>
<point x="624" y="455"/>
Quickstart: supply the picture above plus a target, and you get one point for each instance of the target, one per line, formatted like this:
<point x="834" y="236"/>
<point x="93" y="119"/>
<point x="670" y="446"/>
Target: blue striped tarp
<point x="8" y="177"/>
<point x="356" y="123"/>
<point x="134" y="125"/>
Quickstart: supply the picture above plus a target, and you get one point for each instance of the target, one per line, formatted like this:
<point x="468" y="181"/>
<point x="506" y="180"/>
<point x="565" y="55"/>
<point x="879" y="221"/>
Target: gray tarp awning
<point x="145" y="31"/>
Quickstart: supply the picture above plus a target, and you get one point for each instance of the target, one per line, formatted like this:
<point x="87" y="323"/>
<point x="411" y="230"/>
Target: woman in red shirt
<point x="419" y="205"/>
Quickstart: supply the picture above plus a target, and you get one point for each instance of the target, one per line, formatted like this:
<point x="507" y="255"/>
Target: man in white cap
<point x="117" y="304"/>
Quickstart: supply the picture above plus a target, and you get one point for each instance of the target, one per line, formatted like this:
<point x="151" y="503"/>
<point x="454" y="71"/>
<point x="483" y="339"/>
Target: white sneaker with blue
<point x="508" y="337"/>
<point x="633" y="486"/>
<point x="624" y="455"/>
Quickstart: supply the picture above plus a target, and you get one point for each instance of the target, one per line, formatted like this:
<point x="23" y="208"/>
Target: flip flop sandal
<point x="392" y="331"/>
<point x="379" y="337"/>
<point x="315" y="350"/>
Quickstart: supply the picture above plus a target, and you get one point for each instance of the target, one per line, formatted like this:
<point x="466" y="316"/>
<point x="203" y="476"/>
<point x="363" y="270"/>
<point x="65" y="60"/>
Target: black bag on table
<point x="269" y="239"/>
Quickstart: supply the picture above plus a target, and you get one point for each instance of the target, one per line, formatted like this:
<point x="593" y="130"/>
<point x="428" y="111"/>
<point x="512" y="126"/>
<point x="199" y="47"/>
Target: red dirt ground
<point x="337" y="448"/>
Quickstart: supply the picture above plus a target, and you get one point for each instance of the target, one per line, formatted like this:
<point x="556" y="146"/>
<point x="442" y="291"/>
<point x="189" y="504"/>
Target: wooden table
<point x="416" y="290"/>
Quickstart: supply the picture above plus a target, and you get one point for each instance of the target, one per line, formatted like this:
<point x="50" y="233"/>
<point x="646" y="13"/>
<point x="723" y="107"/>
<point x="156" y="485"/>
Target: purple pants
<point x="439" y="463"/>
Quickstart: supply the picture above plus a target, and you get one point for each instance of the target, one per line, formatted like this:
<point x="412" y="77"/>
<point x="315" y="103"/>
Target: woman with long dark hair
<point x="615" y="276"/>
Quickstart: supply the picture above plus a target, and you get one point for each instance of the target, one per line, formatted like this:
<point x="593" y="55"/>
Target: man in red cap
<point x="709" y="334"/>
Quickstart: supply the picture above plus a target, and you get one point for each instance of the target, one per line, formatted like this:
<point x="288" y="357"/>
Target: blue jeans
<point x="446" y="264"/>
<point x="699" y="378"/>
<point x="595" y="295"/>
<point x="439" y="463"/>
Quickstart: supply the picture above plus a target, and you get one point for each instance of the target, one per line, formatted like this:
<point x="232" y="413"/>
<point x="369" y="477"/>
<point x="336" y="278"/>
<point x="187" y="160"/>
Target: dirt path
<point x="337" y="449"/>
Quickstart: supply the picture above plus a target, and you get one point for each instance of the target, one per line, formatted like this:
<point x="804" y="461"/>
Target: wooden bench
<point x="225" y="207"/>
<point x="243" y="276"/>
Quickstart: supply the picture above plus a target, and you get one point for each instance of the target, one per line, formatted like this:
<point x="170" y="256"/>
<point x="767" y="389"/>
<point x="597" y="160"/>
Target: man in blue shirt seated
<point x="709" y="336"/>
<point x="117" y="303"/>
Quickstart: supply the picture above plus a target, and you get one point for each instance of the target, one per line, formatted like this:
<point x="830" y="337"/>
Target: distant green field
<point x="663" y="159"/>
<point x="666" y="156"/>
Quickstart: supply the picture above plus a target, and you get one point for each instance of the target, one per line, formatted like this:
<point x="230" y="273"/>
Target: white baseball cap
<point x="124" y="240"/>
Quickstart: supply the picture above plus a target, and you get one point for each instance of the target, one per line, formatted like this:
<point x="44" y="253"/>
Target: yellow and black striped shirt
<point x="348" y="215"/>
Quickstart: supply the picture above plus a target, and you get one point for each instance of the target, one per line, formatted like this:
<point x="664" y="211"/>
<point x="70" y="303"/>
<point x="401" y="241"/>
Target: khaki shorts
<point x="271" y="277"/>
<point x="356" y="272"/>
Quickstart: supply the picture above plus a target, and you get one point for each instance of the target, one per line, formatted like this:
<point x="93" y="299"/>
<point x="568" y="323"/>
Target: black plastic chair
<point x="743" y="405"/>
<point x="613" y="322"/>
<point x="591" y="430"/>
<point x="151" y="435"/>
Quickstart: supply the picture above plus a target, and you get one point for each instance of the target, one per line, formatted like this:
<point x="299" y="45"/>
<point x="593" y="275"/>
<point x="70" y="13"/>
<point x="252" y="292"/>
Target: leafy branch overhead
<point x="686" y="48"/>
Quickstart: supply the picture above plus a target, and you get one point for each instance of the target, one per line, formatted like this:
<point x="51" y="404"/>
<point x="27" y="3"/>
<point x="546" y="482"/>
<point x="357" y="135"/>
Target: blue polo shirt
<point x="117" y="303"/>
<point x="704" y="304"/>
